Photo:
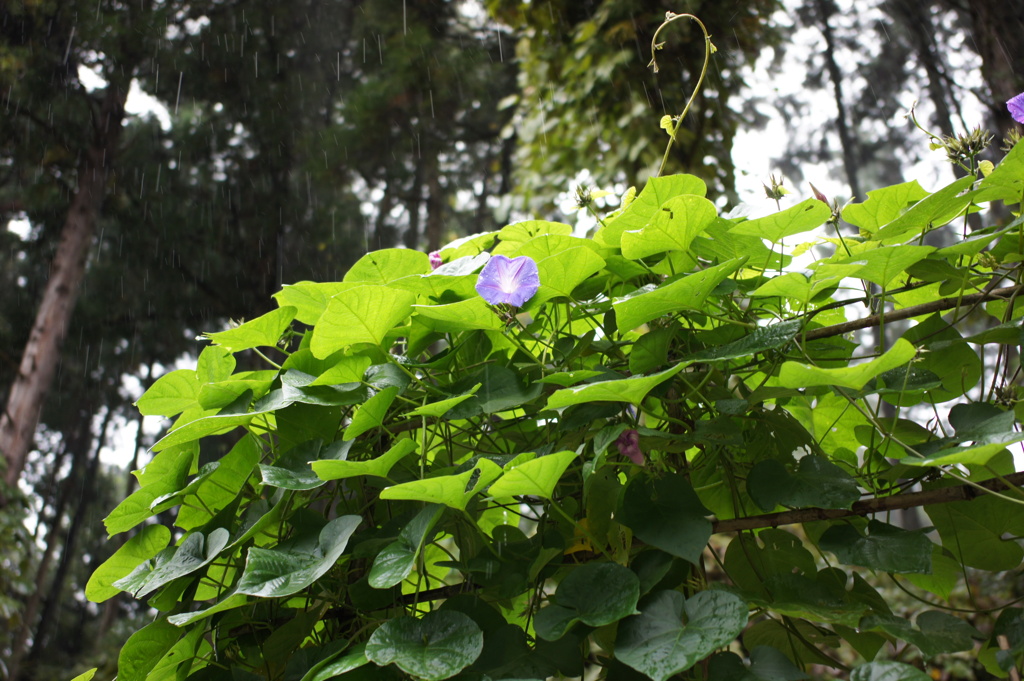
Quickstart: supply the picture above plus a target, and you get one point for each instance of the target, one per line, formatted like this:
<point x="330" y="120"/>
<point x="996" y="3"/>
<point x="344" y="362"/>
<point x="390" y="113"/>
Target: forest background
<point x="300" y="135"/>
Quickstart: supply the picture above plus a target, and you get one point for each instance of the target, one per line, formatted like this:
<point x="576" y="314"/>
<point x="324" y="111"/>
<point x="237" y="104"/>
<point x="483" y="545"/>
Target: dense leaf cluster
<point x="422" y="485"/>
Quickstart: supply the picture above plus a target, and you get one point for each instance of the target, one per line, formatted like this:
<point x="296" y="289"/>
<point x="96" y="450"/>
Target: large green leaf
<point x="145" y="648"/>
<point x="802" y="217"/>
<point x="163" y="475"/>
<point x="666" y="513"/>
<point x="379" y="467"/>
<point x="437" y="646"/>
<point x="882" y="265"/>
<point x="673" y="228"/>
<point x="883" y="205"/>
<point x="386" y="265"/>
<point x="816" y="482"/>
<point x="562" y="272"/>
<point x="760" y="339"/>
<point x="293" y="470"/>
<point x="171" y="394"/>
<point x="371" y="413"/>
<point x="657" y="642"/>
<point x="936" y="632"/>
<point x="310" y="299"/>
<point x="451" y="490"/>
<point x="629" y="390"/>
<point x="363" y="315"/>
<point x="595" y="594"/>
<point x="263" y="331"/>
<point x="934" y="210"/>
<point x="981" y="532"/>
<point x="441" y="407"/>
<point x="642" y="210"/>
<point x="464" y="315"/>
<point x="195" y="551"/>
<point x="273" y="573"/>
<point x="141" y="547"/>
<point x="396" y="561"/>
<point x="796" y="375"/>
<point x="536" y="477"/>
<point x="885" y="548"/>
<point x="687" y="293"/>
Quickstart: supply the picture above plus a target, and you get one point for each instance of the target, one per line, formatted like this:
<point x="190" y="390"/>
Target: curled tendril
<point x="709" y="49"/>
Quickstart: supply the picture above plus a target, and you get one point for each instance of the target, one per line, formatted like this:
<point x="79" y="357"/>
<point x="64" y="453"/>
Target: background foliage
<point x="288" y="151"/>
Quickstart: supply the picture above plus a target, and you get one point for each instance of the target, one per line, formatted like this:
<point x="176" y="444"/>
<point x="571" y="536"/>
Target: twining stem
<point x="709" y="49"/>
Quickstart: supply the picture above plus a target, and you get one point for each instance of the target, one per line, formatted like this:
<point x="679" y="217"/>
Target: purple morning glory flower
<point x="629" y="446"/>
<point x="512" y="282"/>
<point x="1016" y="107"/>
<point x="435" y="259"/>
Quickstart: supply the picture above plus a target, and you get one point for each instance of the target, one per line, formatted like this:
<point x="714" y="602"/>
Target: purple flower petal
<point x="435" y="260"/>
<point x="1016" y="107"/>
<point x="508" y="281"/>
<point x="629" y="446"/>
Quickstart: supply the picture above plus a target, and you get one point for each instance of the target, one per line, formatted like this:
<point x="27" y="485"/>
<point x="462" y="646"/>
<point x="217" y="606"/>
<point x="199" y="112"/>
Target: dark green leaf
<point x="885" y="547"/>
<point x="816" y="482"/>
<point x="658" y="643"/>
<point x="272" y="573"/>
<point x="437" y="646"/>
<point x="594" y="594"/>
<point x="666" y="513"/>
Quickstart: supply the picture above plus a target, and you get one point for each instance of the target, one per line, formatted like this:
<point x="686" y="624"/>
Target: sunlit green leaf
<point x="673" y="227"/>
<point x="263" y="331"/>
<point x="363" y="315"/>
<point x="371" y="413"/>
<point x="536" y="477"/>
<point x="378" y="467"/>
<point x="141" y="547"/>
<point x="629" y="390"/>
<point x="644" y="208"/>
<point x="796" y="375"/>
<point x="800" y="218"/>
<point x="688" y="293"/>
<point x="387" y="264"/>
<point x="451" y="490"/>
<point x="883" y="205"/>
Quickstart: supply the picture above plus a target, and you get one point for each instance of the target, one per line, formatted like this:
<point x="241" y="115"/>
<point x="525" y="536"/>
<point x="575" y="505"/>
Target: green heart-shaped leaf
<point x="595" y="594"/>
<point x="436" y="647"/>
<point x="658" y="644"/>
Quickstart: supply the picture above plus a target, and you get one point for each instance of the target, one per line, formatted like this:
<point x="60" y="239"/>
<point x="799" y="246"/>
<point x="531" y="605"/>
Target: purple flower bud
<point x="1016" y="107"/>
<point x="818" y="195"/>
<point x="512" y="282"/>
<point x="629" y="446"/>
<point x="435" y="260"/>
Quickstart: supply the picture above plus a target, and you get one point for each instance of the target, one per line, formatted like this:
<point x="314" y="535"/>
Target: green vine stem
<point x="709" y="49"/>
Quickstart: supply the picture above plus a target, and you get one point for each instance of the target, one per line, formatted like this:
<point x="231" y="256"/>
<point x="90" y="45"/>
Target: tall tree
<point x="35" y="35"/>
<point x="587" y="99"/>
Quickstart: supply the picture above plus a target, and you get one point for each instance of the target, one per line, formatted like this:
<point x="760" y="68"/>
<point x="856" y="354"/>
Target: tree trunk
<point x="996" y="29"/>
<point x="826" y="9"/>
<point x="77" y="441"/>
<point x="42" y="351"/>
<point x="85" y="483"/>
